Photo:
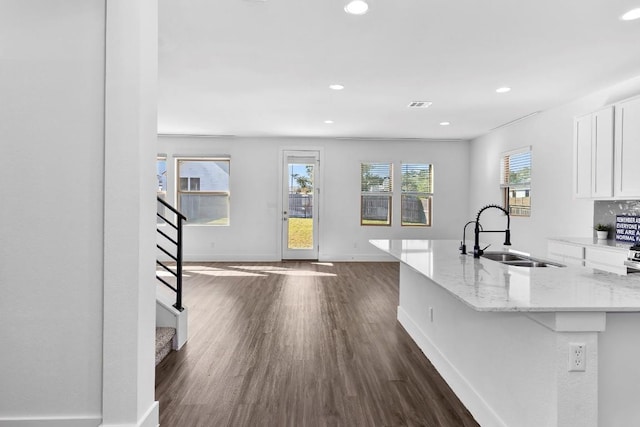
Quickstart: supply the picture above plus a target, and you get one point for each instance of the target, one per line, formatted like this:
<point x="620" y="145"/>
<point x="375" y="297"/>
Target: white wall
<point x="128" y="373"/>
<point x="550" y="134"/>
<point x="51" y="133"/>
<point x="254" y="233"/>
<point x="77" y="304"/>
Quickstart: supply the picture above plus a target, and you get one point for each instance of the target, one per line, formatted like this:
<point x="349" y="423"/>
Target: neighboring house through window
<point x="203" y="190"/>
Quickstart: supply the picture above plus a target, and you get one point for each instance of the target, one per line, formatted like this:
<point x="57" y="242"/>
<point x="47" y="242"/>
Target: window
<point x="417" y="192"/>
<point x="203" y="190"/>
<point x="161" y="173"/>
<point x="161" y="191"/>
<point x="189" y="183"/>
<point x="515" y="180"/>
<point x="376" y="188"/>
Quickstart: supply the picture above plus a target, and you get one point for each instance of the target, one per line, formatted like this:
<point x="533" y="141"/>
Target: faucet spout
<point x="463" y="243"/>
<point x="477" y="252"/>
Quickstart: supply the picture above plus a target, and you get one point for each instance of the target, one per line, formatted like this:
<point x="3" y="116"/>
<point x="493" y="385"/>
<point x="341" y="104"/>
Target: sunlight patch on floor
<point x="283" y="271"/>
<point x="228" y="273"/>
<point x="164" y="273"/>
<point x="303" y="273"/>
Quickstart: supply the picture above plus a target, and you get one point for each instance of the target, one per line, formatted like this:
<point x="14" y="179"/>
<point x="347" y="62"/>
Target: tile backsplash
<point x="605" y="211"/>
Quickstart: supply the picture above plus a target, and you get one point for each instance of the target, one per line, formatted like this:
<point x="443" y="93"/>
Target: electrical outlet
<point x="577" y="357"/>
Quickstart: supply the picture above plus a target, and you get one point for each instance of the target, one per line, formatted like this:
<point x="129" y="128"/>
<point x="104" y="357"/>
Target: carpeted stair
<point x="164" y="342"/>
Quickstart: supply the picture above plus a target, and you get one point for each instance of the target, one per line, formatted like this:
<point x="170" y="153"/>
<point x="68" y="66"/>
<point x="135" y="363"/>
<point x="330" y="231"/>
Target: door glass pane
<point x="300" y="212"/>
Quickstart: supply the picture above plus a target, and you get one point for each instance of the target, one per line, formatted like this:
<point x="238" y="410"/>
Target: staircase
<point x="164" y="342"/>
<point x="171" y="316"/>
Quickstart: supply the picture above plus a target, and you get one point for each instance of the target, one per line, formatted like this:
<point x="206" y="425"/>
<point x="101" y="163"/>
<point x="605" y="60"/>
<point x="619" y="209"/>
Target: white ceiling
<point x="262" y="68"/>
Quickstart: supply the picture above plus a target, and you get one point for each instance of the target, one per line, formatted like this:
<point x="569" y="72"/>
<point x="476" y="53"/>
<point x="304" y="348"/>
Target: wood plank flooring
<point x="299" y="344"/>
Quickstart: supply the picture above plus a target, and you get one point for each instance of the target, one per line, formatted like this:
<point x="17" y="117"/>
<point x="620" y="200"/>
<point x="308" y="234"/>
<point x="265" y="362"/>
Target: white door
<point x="300" y="204"/>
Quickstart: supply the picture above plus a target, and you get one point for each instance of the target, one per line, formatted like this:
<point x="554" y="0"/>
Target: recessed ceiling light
<point x="329" y="122"/>
<point x="445" y="123"/>
<point x="336" y="87"/>
<point x="503" y="89"/>
<point x="631" y="15"/>
<point x="356" y="7"/>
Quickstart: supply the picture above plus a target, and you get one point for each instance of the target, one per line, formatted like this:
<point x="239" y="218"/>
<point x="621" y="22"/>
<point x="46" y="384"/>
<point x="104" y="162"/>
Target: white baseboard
<point x="50" y="422"/>
<point x="151" y="418"/>
<point x="478" y="407"/>
<point x="323" y="257"/>
<point x="382" y="257"/>
<point x="230" y="258"/>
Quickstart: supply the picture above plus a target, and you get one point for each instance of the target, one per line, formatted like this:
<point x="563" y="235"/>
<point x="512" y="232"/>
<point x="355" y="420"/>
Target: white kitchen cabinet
<point x="593" y="154"/>
<point x="587" y="252"/>
<point x="627" y="148"/>
<point x="602" y="153"/>
<point x="582" y="156"/>
<point x="605" y="259"/>
<point x="565" y="253"/>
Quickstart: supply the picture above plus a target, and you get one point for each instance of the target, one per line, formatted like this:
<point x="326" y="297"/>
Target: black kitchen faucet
<point x="477" y="252"/>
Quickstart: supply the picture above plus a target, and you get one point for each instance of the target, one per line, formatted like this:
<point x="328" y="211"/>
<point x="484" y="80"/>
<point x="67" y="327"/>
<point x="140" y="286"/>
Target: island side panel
<point x="502" y="365"/>
<point x="619" y="371"/>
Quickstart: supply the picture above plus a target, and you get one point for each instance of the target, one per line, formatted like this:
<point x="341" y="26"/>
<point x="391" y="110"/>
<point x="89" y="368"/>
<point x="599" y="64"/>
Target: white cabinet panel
<point x="627" y="148"/>
<point x="566" y="253"/>
<point x="602" y="153"/>
<point x="606" y="260"/>
<point x="582" y="157"/>
<point x="593" y="154"/>
<point x="583" y="252"/>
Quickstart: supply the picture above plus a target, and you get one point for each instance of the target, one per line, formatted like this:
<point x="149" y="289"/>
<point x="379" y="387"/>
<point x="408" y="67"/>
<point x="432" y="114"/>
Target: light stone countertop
<point x="487" y="285"/>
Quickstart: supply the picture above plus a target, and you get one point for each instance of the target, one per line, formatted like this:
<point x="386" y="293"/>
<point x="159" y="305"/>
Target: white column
<point x="129" y="213"/>
<point x="577" y="391"/>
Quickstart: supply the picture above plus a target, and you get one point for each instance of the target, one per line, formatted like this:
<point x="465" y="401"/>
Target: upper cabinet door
<point x="627" y="149"/>
<point x="602" y="153"/>
<point x="582" y="157"/>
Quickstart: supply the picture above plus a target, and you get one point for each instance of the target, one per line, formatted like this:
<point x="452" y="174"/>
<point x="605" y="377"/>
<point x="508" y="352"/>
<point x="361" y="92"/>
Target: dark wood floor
<point x="299" y="344"/>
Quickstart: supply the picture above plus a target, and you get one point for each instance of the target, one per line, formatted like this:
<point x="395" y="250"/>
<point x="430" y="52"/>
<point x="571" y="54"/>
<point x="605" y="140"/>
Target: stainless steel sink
<point x="503" y="256"/>
<point x="518" y="260"/>
<point x="528" y="264"/>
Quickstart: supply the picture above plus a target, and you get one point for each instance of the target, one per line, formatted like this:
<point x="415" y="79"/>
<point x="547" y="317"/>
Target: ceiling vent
<point x="419" y="104"/>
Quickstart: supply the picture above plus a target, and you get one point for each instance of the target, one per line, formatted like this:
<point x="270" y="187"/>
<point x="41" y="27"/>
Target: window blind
<point x="417" y="178"/>
<point x="376" y="177"/>
<point x="516" y="169"/>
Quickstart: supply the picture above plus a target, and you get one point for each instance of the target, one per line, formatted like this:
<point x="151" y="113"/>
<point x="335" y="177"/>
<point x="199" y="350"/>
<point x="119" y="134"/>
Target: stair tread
<point x="163" y="336"/>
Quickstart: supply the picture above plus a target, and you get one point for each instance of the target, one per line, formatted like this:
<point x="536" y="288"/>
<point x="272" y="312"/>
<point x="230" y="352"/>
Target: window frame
<point x="428" y="194"/>
<point x="162" y="187"/>
<point x="507" y="187"/>
<point x="388" y="194"/>
<point x="179" y="192"/>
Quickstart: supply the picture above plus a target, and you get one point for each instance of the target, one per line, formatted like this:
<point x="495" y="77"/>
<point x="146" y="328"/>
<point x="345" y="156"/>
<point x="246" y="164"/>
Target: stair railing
<point x="176" y="254"/>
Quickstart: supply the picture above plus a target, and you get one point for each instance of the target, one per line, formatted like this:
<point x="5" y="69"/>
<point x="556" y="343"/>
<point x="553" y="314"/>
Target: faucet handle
<point x="507" y="237"/>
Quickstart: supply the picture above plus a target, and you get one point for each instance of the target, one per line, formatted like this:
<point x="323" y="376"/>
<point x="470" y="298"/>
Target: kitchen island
<point x="503" y="337"/>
